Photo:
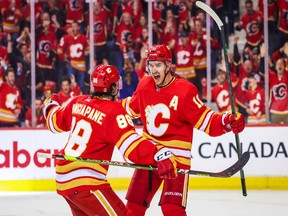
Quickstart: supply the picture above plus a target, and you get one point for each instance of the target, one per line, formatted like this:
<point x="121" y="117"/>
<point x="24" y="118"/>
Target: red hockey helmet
<point x="159" y="52"/>
<point x="103" y="76"/>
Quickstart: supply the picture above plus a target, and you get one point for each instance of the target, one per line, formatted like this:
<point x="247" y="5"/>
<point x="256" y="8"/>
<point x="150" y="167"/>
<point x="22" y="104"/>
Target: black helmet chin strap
<point x="110" y="92"/>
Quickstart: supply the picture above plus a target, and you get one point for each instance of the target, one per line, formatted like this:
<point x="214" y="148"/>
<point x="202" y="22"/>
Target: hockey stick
<point x="222" y="174"/>
<point x="220" y="25"/>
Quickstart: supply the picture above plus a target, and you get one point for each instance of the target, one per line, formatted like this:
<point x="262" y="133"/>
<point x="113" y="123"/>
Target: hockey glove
<point x="231" y="123"/>
<point x="49" y="103"/>
<point x="166" y="164"/>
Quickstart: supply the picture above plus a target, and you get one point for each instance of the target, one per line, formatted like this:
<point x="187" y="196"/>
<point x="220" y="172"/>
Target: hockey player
<point x="97" y="124"/>
<point x="170" y="108"/>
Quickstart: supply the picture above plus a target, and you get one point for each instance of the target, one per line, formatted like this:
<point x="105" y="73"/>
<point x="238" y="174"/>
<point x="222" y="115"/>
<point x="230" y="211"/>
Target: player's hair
<point x="103" y="94"/>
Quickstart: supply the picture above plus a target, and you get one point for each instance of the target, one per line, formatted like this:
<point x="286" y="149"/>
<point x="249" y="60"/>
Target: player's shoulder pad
<point x="145" y="81"/>
<point x="184" y="85"/>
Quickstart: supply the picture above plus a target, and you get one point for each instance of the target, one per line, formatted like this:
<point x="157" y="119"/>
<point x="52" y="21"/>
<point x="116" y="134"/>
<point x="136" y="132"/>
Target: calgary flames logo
<point x="44" y="46"/>
<point x="127" y="37"/>
<point x="98" y="27"/>
<point x="280" y="91"/>
<point x="252" y="28"/>
<point x="11" y="100"/>
<point x="75" y="4"/>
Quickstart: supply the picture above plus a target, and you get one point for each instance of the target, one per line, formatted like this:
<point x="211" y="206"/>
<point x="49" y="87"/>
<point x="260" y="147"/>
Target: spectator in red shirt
<point x="184" y="57"/>
<point x="69" y="90"/>
<point x="11" y="16"/>
<point x="73" y="48"/>
<point x="251" y="22"/>
<point x="278" y="84"/>
<point x="10" y="100"/>
<point x="40" y="120"/>
<point x="100" y="34"/>
<point x="256" y="101"/>
<point x="282" y="21"/>
<point x="46" y="43"/>
<point x="220" y="92"/>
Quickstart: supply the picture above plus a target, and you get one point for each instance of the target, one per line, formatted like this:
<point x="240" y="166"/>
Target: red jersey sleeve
<point x="202" y="117"/>
<point x="131" y="145"/>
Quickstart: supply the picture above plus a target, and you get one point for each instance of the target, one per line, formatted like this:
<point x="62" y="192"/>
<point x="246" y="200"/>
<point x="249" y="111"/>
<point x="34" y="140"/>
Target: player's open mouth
<point x="156" y="77"/>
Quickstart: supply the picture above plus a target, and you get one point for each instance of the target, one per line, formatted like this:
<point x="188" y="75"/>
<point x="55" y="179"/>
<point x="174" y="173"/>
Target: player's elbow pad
<point x="48" y="107"/>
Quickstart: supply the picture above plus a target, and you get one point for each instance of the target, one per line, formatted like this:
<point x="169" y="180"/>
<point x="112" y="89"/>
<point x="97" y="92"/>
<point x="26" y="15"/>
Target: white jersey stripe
<point x="182" y="153"/>
<point x="50" y="121"/>
<point x="8" y="116"/>
<point x="127" y="142"/>
<point x="206" y="121"/>
<point x="79" y="173"/>
<point x="127" y="106"/>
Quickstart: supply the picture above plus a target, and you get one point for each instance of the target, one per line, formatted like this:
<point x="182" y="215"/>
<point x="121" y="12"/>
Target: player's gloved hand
<point x="54" y="100"/>
<point x="231" y="123"/>
<point x="166" y="164"/>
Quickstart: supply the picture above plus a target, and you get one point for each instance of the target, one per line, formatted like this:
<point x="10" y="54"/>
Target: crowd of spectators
<point x="121" y="39"/>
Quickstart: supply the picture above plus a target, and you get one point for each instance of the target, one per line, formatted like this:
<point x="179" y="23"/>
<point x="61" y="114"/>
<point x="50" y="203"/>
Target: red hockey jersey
<point x="95" y="126"/>
<point x="251" y="26"/>
<point x="125" y="35"/>
<point x="278" y="93"/>
<point x="10" y="100"/>
<point x="100" y="28"/>
<point x="74" y="10"/>
<point x="220" y="94"/>
<point x="242" y="87"/>
<point x="11" y="14"/>
<point x="282" y="16"/>
<point x="74" y="48"/>
<point x="184" y="61"/>
<point x="199" y="55"/>
<point x="46" y="42"/>
<point x="256" y="101"/>
<point x="169" y="115"/>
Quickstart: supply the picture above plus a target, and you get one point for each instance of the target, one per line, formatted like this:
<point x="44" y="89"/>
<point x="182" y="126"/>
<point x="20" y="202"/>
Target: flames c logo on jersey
<point x="126" y="37"/>
<point x="11" y="100"/>
<point x="74" y="4"/>
<point x="44" y="46"/>
<point x="183" y="57"/>
<point x="98" y="27"/>
<point x="154" y="111"/>
<point x="280" y="91"/>
<point x="223" y="99"/>
<point x="252" y="28"/>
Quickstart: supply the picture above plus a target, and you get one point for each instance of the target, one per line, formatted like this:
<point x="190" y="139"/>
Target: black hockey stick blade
<point x="232" y="170"/>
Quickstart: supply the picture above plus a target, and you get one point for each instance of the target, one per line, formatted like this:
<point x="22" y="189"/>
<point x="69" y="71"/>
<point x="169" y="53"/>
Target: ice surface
<point x="200" y="203"/>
